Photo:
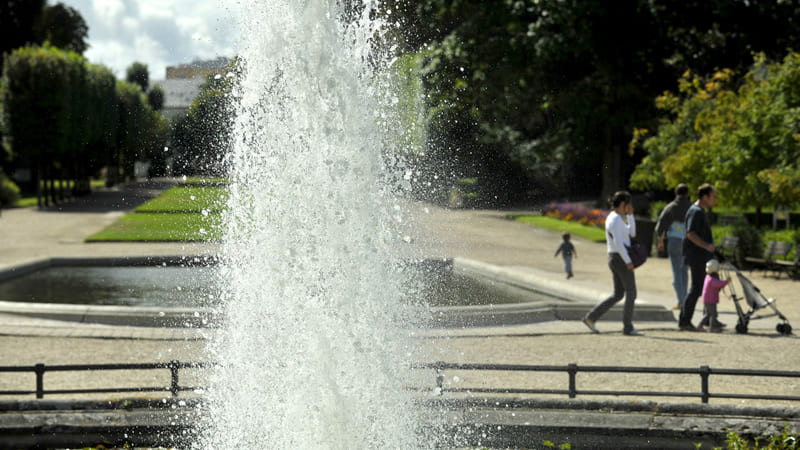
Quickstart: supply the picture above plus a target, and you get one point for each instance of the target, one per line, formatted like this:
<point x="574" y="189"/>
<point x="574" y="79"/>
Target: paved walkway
<point x="475" y="238"/>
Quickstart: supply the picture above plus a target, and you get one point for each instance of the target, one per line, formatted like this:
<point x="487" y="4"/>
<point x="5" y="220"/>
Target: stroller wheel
<point x="741" y="328"/>
<point x="784" y="328"/>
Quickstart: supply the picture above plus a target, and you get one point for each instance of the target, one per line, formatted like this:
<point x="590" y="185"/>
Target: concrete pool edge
<point x="570" y="301"/>
<point x="132" y="316"/>
<point x="485" y="422"/>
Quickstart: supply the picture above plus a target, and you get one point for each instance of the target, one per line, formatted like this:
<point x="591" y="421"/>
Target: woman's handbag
<point x="637" y="252"/>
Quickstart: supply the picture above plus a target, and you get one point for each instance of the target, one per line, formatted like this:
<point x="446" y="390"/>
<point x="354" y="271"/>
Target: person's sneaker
<point x="590" y="323"/>
<point x="633" y="333"/>
<point x="715" y="329"/>
<point x="700" y="328"/>
<point x="687" y="327"/>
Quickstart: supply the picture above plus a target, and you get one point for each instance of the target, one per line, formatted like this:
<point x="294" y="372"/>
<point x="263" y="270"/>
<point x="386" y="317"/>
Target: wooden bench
<point x="790" y="267"/>
<point x="727" y="248"/>
<point x="776" y="251"/>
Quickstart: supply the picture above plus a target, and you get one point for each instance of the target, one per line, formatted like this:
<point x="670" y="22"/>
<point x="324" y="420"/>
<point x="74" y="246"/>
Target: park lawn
<point x="592" y="233"/>
<point x="187" y="199"/>
<point x="160" y="227"/>
<point x="179" y="214"/>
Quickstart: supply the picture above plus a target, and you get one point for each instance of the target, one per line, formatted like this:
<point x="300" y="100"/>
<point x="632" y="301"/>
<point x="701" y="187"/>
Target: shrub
<point x="750" y="242"/>
<point x="9" y="192"/>
<point x="781" y="441"/>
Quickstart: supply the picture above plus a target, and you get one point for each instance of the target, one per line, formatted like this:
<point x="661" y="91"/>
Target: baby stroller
<point x="753" y="298"/>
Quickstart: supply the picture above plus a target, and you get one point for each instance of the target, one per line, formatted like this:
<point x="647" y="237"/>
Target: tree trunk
<point x="37" y="178"/>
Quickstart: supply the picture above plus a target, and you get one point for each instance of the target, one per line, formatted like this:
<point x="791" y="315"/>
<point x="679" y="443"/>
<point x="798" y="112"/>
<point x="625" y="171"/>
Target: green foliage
<point x="63" y="27"/>
<point x="28" y="72"/>
<point x="16" y="24"/>
<point x="9" y="192"/>
<point x="183" y="213"/>
<point x="70" y="117"/>
<point x="155" y="97"/>
<point x="785" y="440"/>
<point x="203" y="136"/>
<point x="745" y="140"/>
<point x="547" y="91"/>
<point x="406" y="91"/>
<point x="750" y="242"/>
<point x="138" y="74"/>
<point x="550" y="444"/>
<point x="203" y="200"/>
<point x="157" y="227"/>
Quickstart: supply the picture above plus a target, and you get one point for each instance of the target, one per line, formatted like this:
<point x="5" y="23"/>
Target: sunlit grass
<point x="161" y="227"/>
<point x="187" y="199"/>
<point x="592" y="233"/>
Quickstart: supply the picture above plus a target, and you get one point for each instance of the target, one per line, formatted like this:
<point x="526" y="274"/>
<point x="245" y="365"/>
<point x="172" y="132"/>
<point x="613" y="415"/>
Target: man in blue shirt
<point x="671" y="231"/>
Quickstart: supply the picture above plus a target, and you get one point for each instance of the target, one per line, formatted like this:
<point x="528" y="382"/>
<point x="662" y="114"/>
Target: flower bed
<point x="577" y="213"/>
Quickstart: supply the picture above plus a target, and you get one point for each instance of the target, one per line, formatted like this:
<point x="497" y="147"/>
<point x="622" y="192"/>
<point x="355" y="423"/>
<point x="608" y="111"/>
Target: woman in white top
<point x="620" y="227"/>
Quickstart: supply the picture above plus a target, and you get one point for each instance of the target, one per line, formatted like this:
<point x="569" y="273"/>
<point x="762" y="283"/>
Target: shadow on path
<point x="124" y="197"/>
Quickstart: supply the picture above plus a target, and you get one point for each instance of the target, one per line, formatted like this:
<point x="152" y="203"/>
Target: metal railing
<point x="572" y="371"/>
<point x="174" y="368"/>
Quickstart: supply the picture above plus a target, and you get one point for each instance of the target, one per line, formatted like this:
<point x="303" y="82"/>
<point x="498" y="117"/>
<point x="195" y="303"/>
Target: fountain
<point x="315" y="344"/>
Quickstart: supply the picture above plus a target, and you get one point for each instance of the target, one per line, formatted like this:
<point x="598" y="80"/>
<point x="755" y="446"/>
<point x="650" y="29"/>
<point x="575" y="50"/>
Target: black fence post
<point x="705" y="371"/>
<point x="39" y="369"/>
<point x="175" y="387"/>
<point x="572" y="369"/>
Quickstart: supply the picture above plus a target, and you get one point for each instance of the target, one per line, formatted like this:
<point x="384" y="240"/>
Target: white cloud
<point x="158" y="33"/>
<point x="107" y="11"/>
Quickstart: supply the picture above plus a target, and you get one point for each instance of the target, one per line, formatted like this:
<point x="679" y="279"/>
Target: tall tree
<point x="16" y="23"/>
<point x="16" y="30"/>
<point x="741" y="134"/>
<point x="203" y="136"/>
<point x="155" y="96"/>
<point x="62" y="26"/>
<point x="138" y="74"/>
<point x="556" y="87"/>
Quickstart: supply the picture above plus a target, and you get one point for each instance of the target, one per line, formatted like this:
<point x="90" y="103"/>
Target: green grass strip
<point x="187" y="199"/>
<point x="594" y="234"/>
<point x="159" y="227"/>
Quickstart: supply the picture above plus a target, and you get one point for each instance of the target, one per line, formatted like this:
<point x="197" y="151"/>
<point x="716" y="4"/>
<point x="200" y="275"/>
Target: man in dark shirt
<point x="698" y="248"/>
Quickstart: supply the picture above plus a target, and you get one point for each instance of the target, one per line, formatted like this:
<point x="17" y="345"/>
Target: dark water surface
<point x="198" y="286"/>
<point x="131" y="286"/>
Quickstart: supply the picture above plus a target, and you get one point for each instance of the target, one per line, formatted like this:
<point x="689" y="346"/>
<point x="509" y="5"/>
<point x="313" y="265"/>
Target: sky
<point x="158" y="33"/>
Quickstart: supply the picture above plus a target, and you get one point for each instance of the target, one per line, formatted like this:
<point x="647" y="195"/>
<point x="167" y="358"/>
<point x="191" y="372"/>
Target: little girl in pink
<point x="711" y="288"/>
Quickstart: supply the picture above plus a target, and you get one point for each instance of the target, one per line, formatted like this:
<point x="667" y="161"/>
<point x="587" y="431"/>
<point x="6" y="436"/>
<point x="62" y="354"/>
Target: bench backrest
<point x="779" y="250"/>
<point x="729" y="243"/>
